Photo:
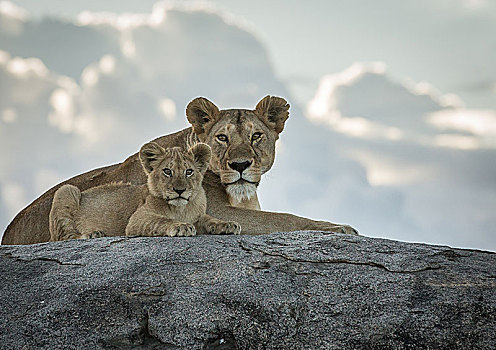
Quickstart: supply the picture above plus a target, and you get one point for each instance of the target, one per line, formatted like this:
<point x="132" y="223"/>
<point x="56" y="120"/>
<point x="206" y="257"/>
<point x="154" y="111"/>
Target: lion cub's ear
<point x="274" y="111"/>
<point x="202" y="114"/>
<point x="150" y="156"/>
<point x="202" y="154"/>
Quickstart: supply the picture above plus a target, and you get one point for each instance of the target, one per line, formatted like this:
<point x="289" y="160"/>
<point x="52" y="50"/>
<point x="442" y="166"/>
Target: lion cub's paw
<point x="181" y="230"/>
<point x="224" y="228"/>
<point x="95" y="234"/>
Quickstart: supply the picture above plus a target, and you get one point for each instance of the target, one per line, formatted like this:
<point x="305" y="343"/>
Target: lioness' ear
<point x="150" y="154"/>
<point x="202" y="154"/>
<point x="201" y="114"/>
<point x="274" y="111"/>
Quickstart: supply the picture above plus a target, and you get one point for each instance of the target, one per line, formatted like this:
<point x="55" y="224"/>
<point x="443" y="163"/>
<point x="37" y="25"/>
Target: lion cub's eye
<point x="222" y="138"/>
<point x="256" y="136"/>
<point x="167" y="172"/>
<point x="189" y="172"/>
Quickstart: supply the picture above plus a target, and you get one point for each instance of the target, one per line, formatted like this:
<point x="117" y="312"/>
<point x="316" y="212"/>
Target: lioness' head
<point x="174" y="174"/>
<point x="242" y="140"/>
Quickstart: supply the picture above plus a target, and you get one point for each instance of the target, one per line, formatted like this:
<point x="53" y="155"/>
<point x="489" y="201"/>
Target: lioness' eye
<point x="167" y="172"/>
<point x="222" y="138"/>
<point x="189" y="172"/>
<point x="256" y="136"/>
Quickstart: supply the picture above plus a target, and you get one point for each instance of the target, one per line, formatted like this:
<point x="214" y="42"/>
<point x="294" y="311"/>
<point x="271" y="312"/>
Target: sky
<point x="393" y="117"/>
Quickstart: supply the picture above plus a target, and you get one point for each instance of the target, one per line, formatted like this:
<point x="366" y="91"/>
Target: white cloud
<point x="363" y="102"/>
<point x="128" y="47"/>
<point x="121" y="21"/>
<point x="475" y="4"/>
<point x="383" y="170"/>
<point x="62" y="115"/>
<point x="11" y="10"/>
<point x="90" y="76"/>
<point x="324" y="106"/>
<point x="457" y="142"/>
<point x="13" y="196"/>
<point x="474" y="121"/>
<point x="168" y="109"/>
<point x="26" y="67"/>
<point x="9" y="115"/>
<point x="107" y="64"/>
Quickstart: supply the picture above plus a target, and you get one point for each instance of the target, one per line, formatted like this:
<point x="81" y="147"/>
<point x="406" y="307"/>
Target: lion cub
<point x="172" y="203"/>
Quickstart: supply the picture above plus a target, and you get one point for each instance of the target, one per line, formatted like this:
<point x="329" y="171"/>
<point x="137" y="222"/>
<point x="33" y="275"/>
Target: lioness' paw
<point x="95" y="234"/>
<point x="346" y="229"/>
<point x="181" y="230"/>
<point x="329" y="226"/>
<point x="224" y="228"/>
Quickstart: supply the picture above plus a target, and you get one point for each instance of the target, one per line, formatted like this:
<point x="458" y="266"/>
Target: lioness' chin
<point x="178" y="202"/>
<point x="241" y="190"/>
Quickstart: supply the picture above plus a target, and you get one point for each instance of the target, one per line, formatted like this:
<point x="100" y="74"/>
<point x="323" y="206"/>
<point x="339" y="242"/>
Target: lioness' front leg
<point x="147" y="223"/>
<point x="209" y="225"/>
<point x="256" y="222"/>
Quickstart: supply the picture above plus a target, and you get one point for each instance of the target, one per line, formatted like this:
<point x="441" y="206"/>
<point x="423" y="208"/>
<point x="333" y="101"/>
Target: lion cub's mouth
<point x="178" y="201"/>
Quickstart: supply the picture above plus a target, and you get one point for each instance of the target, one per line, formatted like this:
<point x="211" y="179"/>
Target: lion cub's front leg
<point x="209" y="225"/>
<point x="146" y="223"/>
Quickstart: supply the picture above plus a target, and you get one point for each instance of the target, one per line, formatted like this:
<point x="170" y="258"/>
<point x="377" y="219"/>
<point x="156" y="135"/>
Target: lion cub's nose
<point x="179" y="192"/>
<point x="239" y="167"/>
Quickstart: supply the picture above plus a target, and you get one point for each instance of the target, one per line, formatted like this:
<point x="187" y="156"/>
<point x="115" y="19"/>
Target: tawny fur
<point x="142" y="210"/>
<point x="102" y="210"/>
<point x="165" y="213"/>
<point x="223" y="200"/>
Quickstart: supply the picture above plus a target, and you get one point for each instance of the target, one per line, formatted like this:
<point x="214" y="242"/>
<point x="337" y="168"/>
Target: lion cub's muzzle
<point x="178" y="197"/>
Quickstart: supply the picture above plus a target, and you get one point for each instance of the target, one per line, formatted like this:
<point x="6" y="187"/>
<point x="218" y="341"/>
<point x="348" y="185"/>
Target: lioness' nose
<point x="179" y="191"/>
<point x="239" y="167"/>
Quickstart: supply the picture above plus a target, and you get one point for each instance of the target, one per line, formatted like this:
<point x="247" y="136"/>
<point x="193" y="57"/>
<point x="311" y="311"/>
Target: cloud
<point x="475" y="4"/>
<point x="363" y="102"/>
<point x="480" y="124"/>
<point x="28" y="139"/>
<point x="79" y="95"/>
<point x="427" y="149"/>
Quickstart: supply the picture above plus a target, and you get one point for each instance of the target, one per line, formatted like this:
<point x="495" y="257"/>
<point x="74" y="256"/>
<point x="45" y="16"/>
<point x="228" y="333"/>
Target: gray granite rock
<point x="300" y="290"/>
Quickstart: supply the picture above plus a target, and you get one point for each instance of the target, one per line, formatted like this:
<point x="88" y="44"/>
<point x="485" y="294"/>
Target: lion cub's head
<point x="242" y="140"/>
<point x="174" y="174"/>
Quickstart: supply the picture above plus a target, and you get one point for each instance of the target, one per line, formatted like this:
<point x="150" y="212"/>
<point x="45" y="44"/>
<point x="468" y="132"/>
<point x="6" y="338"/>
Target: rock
<point x="299" y="290"/>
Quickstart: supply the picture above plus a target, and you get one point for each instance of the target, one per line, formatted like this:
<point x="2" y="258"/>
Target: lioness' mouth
<point x="242" y="181"/>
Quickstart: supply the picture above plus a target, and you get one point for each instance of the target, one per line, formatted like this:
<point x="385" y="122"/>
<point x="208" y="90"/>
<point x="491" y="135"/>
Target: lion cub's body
<point x="102" y="210"/>
<point x="172" y="203"/>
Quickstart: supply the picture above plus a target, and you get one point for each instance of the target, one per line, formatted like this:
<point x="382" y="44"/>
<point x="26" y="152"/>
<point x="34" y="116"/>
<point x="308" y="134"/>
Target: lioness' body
<point x="172" y="203"/>
<point x="223" y="201"/>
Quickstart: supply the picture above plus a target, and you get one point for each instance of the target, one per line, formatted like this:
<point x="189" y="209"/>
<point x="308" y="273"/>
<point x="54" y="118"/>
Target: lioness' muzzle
<point x="240" y="172"/>
<point x="240" y="166"/>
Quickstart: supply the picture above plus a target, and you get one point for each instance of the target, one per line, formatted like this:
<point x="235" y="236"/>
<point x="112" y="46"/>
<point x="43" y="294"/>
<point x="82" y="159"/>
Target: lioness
<point x="243" y="145"/>
<point x="171" y="203"/>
